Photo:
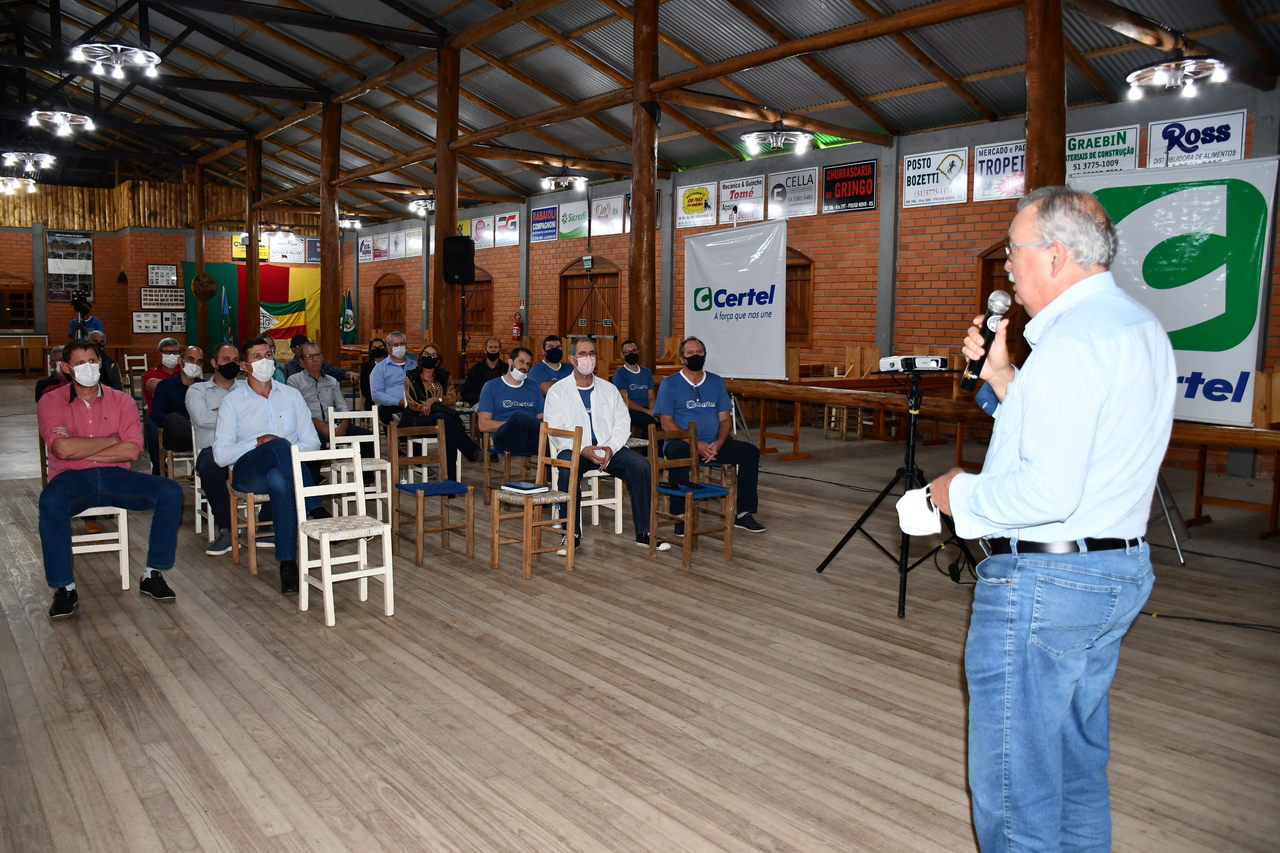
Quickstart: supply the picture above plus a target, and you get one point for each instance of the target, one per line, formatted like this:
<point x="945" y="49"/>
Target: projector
<point x="912" y="363"/>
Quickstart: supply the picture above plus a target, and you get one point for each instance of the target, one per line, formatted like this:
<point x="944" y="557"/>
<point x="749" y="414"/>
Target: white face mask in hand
<point x="917" y="514"/>
<point x="263" y="369"/>
<point x="87" y="374"/>
<point x="194" y="371"/>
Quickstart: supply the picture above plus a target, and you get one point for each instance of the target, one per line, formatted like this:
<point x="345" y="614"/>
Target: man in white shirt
<point x="203" y="400"/>
<point x="584" y="399"/>
<point x="1061" y="506"/>
<point x="257" y="423"/>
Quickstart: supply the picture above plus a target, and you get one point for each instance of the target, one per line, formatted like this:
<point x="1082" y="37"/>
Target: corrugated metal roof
<point x="691" y="22"/>
<point x="566" y="73"/>
<point x="870" y="67"/>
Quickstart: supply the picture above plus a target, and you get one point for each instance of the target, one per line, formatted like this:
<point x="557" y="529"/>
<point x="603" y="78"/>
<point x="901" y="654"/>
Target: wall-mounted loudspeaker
<point x="459" y="261"/>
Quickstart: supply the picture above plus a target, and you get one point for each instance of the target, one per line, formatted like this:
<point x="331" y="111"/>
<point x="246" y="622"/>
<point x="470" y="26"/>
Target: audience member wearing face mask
<point x="490" y="366"/>
<point x="429" y="397"/>
<point x="386" y="380"/>
<point x="510" y="407"/>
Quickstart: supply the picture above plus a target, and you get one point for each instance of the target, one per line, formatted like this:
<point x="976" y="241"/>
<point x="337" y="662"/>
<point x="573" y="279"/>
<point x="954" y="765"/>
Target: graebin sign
<point x="1194" y="244"/>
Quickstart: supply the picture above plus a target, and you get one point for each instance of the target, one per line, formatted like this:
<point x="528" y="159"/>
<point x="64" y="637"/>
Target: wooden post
<point x="252" y="223"/>
<point x="444" y="301"/>
<point x="1046" y="94"/>
<point x="202" y="305"/>
<point x="330" y="246"/>
<point x="642" y="277"/>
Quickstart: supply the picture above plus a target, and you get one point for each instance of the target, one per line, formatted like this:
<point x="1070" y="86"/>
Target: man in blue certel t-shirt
<point x="635" y="381"/>
<point x="697" y="395"/>
<point x="511" y="406"/>
<point x="552" y="368"/>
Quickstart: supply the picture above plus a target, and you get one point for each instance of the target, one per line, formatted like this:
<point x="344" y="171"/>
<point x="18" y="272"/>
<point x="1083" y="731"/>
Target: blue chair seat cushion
<point x="702" y="492"/>
<point x="434" y="487"/>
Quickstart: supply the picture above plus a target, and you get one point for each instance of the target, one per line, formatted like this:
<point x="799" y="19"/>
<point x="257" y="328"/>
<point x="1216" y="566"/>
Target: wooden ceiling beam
<point x="285" y="195"/>
<point x="1076" y="58"/>
<point x="307" y="20"/>
<point x="728" y="106"/>
<point x="1249" y="34"/>
<point x="417" y="155"/>
<point x="587" y="106"/>
<point x="494" y="24"/>
<point x="555" y="161"/>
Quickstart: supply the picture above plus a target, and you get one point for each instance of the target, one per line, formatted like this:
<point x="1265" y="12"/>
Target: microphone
<point x="997" y="304"/>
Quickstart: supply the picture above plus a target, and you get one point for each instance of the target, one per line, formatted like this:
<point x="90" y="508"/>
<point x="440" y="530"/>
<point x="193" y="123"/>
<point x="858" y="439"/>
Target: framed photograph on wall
<point x="174" y="321"/>
<point x="162" y="275"/>
<point x="146" y="322"/>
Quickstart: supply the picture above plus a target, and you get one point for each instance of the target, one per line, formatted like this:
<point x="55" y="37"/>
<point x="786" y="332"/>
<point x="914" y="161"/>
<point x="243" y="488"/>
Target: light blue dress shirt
<point x="245" y="414"/>
<point x="1083" y="427"/>
<point x="386" y="382"/>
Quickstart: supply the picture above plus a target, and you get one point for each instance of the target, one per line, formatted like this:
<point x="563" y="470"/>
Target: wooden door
<point x="589" y="299"/>
<point x="388" y="303"/>
<point x="477" y="312"/>
<point x="799" y="299"/>
<point x="992" y="276"/>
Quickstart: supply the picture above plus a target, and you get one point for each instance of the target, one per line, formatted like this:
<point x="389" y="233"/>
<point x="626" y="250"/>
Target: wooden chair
<point x="327" y="532"/>
<point x="179" y="465"/>
<point x="593" y="497"/>
<point x="203" y="511"/>
<point x="379" y="491"/>
<point x="427" y="488"/>
<point x="534" y="522"/>
<point x="101" y="540"/>
<point x="497" y="468"/>
<point x="695" y="495"/>
<point x="244" y="517"/>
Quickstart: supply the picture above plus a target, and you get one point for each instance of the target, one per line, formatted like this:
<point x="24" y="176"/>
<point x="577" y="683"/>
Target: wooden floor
<point x="629" y="706"/>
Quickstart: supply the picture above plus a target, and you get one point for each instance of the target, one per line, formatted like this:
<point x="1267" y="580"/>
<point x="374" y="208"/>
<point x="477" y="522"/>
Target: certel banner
<point x="1194" y="244"/>
<point x="736" y="299"/>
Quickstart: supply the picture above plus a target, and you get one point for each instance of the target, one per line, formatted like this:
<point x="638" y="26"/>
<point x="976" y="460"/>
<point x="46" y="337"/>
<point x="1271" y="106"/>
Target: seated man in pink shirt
<point x="93" y="436"/>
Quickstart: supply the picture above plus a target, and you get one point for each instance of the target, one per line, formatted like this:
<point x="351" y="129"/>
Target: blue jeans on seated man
<point x="1043" y="645"/>
<point x="629" y="467"/>
<point x="267" y="468"/>
<point x="72" y="492"/>
<point x="213" y="482"/>
<point x="745" y="456"/>
<point x="518" y="434"/>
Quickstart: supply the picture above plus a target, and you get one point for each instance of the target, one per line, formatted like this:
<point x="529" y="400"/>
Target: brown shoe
<point x="91" y="526"/>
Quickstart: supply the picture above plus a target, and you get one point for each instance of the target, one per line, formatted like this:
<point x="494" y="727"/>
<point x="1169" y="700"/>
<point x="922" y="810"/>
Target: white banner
<point x="735" y="299"/>
<point x="1112" y="150"/>
<point x="742" y="200"/>
<point x="1197" y="140"/>
<point x="1194" y="244"/>
<point x="793" y="194"/>
<point x="936" y="177"/>
<point x="606" y="216"/>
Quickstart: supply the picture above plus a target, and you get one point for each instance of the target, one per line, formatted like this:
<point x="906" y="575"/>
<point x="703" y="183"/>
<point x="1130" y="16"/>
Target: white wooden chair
<point x="379" y="491"/>
<point x="107" y="541"/>
<point x="203" y="511"/>
<point x="594" y="484"/>
<point x="326" y="532"/>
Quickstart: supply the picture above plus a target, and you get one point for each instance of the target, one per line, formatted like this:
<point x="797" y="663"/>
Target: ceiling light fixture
<point x="31" y="161"/>
<point x="9" y="186"/>
<point x="61" y="122"/>
<point x="776" y="138"/>
<point x="349" y="224"/>
<point x="564" y="181"/>
<point x="423" y="206"/>
<point x="118" y="57"/>
<point x="1176" y="71"/>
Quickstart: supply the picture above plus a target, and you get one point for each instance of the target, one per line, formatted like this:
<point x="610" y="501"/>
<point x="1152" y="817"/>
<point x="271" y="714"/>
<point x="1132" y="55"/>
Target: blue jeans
<point x="213" y="482"/>
<point x="1043" y="645"/>
<point x="629" y="467"/>
<point x="268" y="468"/>
<point x="73" y="492"/>
<point x="745" y="456"/>
<point x="518" y="434"/>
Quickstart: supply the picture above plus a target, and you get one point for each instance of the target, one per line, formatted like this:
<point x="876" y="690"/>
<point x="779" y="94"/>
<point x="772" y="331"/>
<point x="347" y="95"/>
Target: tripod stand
<point x="911" y="477"/>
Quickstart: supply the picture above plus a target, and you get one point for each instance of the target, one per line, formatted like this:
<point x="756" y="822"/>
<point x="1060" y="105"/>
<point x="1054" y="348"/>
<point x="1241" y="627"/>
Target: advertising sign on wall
<point x="606" y="215"/>
<point x="742" y="200"/>
<point x="695" y="205"/>
<point x="1201" y="139"/>
<point x="506" y="230"/>
<point x="413" y="242"/>
<point x="1112" y="150"/>
<point x="544" y="224"/>
<point x="851" y="186"/>
<point x="364" y="249"/>
<point x="482" y="232"/>
<point x="999" y="170"/>
<point x="793" y="194"/>
<point x="381" y="247"/>
<point x="937" y="177"/>
<point x="1194" y="244"/>
<point x="397" y="245"/>
<point x="573" y="220"/>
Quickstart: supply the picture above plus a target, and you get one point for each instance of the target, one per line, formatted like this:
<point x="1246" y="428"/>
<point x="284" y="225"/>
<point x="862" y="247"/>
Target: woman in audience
<point x="377" y="352"/>
<point x="428" y="397"/>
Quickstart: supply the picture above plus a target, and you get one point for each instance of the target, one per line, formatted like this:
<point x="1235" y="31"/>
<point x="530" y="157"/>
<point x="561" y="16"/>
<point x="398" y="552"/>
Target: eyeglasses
<point x="314" y="355"/>
<point x="1009" y="245"/>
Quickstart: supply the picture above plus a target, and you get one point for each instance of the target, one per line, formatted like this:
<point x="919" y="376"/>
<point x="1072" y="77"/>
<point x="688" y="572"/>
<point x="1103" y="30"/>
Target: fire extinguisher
<point x="517" y="327"/>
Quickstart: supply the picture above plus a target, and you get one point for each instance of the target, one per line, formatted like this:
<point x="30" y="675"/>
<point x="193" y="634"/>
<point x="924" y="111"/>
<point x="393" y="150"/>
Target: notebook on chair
<point x="524" y="487"/>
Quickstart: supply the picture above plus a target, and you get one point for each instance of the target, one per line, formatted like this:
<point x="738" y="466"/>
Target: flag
<point x="348" y="321"/>
<point x="226" y="317"/>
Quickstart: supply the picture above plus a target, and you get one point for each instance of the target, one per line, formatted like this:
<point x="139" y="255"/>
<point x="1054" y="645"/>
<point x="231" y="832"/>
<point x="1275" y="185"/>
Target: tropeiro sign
<point x="1194" y="244"/>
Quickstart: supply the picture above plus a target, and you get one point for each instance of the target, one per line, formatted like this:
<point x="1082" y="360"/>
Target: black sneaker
<point x="564" y="545"/>
<point x="154" y="586"/>
<point x="220" y="545"/>
<point x="288" y="577"/>
<point x="64" y="603"/>
<point x="679" y="529"/>
<point x="642" y="539"/>
<point x="747" y="522"/>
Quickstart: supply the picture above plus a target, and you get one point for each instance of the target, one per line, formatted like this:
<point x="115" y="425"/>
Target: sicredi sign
<point x="1193" y="249"/>
<point x="1193" y="141"/>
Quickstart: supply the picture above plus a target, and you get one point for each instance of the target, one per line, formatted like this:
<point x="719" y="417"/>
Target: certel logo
<point x="702" y="299"/>
<point x="1188" y="257"/>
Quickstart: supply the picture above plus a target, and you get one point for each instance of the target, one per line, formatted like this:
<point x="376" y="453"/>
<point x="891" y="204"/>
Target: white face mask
<point x="585" y="364"/>
<point x="87" y="374"/>
<point x="398" y="351"/>
<point x="517" y="374"/>
<point x="169" y="359"/>
<point x="263" y="369"/>
<point x="192" y="370"/>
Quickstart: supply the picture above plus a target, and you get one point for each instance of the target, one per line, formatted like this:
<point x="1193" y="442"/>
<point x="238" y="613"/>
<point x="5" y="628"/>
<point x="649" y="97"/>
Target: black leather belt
<point x="1002" y="545"/>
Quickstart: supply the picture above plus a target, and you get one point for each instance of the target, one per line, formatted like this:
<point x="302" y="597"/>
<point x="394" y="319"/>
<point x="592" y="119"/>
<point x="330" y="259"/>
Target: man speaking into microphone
<point x="1061" y="506"/>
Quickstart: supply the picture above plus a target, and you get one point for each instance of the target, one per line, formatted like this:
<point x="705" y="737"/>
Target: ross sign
<point x="1201" y="139"/>
<point x="364" y="249"/>
<point x="999" y="170"/>
<point x="1112" y="150"/>
<point x="938" y="177"/>
<point x="506" y="230"/>
<point x="413" y="242"/>
<point x="742" y="199"/>
<point x="849" y="187"/>
<point x="793" y="194"/>
<point x="482" y="232"/>
<point x="573" y="220"/>
<point x="1194" y="247"/>
<point x="735" y="299"/>
<point x="163" y="297"/>
<point x="146" y="322"/>
<point x="695" y="205"/>
<point x="162" y="275"/>
<point x="544" y="224"/>
<point x="606" y="215"/>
